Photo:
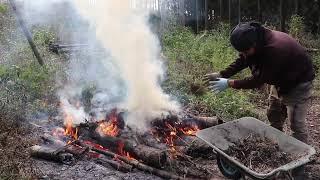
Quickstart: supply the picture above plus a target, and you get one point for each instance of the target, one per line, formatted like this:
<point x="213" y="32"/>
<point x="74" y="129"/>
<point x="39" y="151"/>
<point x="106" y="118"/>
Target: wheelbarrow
<point x="222" y="136"/>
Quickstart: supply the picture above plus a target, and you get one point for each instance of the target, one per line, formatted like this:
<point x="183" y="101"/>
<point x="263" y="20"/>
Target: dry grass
<point x="14" y="143"/>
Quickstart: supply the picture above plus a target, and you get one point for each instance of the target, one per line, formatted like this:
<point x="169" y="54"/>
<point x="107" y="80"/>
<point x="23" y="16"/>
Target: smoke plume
<point x="122" y="61"/>
<point x="125" y="33"/>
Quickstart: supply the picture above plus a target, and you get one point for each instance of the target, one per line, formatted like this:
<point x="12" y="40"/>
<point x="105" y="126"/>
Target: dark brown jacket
<point x="279" y="61"/>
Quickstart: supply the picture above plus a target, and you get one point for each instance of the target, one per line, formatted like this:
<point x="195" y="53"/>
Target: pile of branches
<point x="261" y="155"/>
<point x="130" y="150"/>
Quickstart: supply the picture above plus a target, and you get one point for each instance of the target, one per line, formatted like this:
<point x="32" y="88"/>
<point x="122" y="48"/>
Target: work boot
<point x="277" y="114"/>
<point x="298" y="173"/>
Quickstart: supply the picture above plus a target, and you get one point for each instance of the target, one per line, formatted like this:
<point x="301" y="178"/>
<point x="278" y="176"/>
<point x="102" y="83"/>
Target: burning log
<point x="149" y="155"/>
<point x="192" y="121"/>
<point x="135" y="163"/>
<point x="203" y="122"/>
<point x="51" y="154"/>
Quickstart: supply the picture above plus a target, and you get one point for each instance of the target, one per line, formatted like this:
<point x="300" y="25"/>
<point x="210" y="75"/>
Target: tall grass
<point x="189" y="57"/>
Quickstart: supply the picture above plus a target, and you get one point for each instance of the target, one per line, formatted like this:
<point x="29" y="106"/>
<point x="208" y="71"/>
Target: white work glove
<point x="218" y="85"/>
<point x="211" y="77"/>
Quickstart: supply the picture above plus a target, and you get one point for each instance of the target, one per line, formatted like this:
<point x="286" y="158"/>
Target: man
<point x="279" y="60"/>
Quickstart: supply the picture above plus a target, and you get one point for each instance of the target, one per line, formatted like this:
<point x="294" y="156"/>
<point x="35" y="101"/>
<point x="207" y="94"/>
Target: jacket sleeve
<point x="248" y="83"/>
<point x="238" y="65"/>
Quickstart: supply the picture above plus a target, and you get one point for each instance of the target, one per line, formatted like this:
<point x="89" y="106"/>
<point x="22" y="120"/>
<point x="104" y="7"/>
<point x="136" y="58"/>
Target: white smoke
<point x="125" y="33"/>
<point x="129" y="71"/>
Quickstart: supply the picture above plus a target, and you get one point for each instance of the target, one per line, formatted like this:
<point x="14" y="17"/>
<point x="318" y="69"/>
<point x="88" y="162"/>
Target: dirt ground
<point x="313" y="120"/>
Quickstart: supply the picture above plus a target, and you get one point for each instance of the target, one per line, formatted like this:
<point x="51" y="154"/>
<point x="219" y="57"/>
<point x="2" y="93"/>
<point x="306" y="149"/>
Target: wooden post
<point x="282" y="16"/>
<point x="229" y="9"/>
<point x="221" y="8"/>
<point x="181" y="10"/>
<point x="239" y="11"/>
<point x="26" y="32"/>
<point x="206" y="23"/>
<point x="197" y="15"/>
<point x="296" y="6"/>
<point x="259" y="11"/>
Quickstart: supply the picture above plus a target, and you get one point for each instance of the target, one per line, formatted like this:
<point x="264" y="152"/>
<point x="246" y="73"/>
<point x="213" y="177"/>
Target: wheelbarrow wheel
<point x="228" y="169"/>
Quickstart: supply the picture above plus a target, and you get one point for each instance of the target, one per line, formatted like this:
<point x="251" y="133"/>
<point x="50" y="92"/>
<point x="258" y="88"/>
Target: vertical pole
<point x="197" y="15"/>
<point x="206" y="24"/>
<point x="221" y="8"/>
<point x="296" y="6"/>
<point x="26" y="32"/>
<point x="282" y="16"/>
<point x="239" y="11"/>
<point x="229" y="10"/>
<point x="181" y="10"/>
<point x="259" y="11"/>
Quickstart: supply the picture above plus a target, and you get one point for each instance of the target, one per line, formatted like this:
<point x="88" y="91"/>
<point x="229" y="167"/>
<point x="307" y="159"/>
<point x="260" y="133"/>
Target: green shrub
<point x="43" y="36"/>
<point x="190" y="57"/>
<point x="3" y="8"/>
<point x="296" y="27"/>
<point x="229" y="105"/>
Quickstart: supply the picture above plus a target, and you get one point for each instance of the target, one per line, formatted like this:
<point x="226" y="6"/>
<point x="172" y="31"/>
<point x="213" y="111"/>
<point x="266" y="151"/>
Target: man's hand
<point x="211" y="77"/>
<point x="219" y="85"/>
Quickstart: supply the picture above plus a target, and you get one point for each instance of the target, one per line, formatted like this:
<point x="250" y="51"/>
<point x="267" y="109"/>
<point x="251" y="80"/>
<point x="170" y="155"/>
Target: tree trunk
<point x="239" y="11"/>
<point x="229" y="9"/>
<point x="181" y="12"/>
<point x="282" y="16"/>
<point x="259" y="11"/>
<point x="26" y="32"/>
<point x="206" y="25"/>
<point x="197" y="15"/>
<point x="221" y="9"/>
<point x="296" y="6"/>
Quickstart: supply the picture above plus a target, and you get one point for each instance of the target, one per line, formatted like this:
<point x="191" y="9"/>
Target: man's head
<point x="244" y="38"/>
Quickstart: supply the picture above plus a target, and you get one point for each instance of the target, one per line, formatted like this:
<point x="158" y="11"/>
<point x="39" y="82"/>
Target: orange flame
<point x="110" y="127"/>
<point x="122" y="152"/>
<point x="190" y="131"/>
<point x="98" y="146"/>
<point x="69" y="129"/>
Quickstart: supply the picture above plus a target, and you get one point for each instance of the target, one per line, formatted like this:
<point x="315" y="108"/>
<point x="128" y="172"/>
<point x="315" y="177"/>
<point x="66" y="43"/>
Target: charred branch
<point x="51" y="154"/>
<point x="116" y="164"/>
<point x="148" y="155"/>
<point x="136" y="163"/>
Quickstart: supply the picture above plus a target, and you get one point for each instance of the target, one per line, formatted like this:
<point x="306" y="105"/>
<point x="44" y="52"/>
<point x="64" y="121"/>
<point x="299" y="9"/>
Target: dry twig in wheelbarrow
<point x="261" y="155"/>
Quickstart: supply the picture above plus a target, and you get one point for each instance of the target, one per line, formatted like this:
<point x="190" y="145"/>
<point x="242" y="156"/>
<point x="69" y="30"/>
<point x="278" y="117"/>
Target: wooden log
<point x="51" y="154"/>
<point x="149" y="155"/>
<point x="50" y="140"/>
<point x="202" y="122"/>
<point x="136" y="164"/>
<point x="116" y="164"/>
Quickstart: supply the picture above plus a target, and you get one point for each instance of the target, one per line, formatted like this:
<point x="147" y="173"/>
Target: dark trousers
<point x="293" y="105"/>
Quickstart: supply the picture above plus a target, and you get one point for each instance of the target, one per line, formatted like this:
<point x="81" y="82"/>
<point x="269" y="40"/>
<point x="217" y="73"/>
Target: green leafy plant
<point x="189" y="57"/>
<point x="296" y="27"/>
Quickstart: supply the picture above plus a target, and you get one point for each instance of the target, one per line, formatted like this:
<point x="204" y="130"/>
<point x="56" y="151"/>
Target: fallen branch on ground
<point x="134" y="163"/>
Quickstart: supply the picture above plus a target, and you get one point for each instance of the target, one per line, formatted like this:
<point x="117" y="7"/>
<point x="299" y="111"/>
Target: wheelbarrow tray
<point x="222" y="136"/>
